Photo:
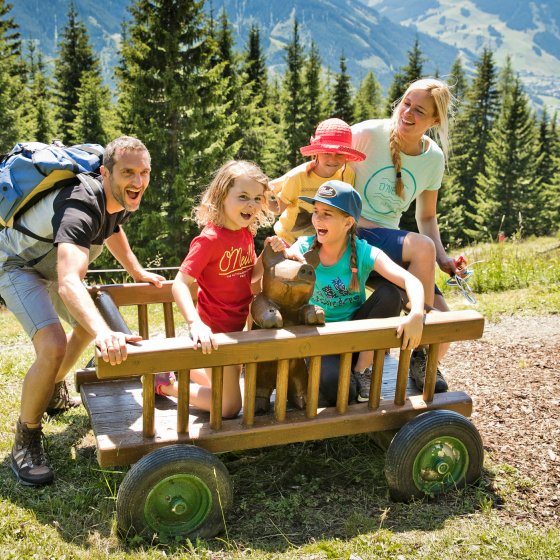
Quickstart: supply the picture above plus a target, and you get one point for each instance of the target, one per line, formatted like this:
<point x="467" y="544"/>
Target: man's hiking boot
<point x="28" y="458"/>
<point x="418" y="371"/>
<point x="363" y="381"/>
<point x="61" y="401"/>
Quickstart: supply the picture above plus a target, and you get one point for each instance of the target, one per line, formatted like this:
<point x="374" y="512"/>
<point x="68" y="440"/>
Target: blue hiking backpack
<point x="32" y="169"/>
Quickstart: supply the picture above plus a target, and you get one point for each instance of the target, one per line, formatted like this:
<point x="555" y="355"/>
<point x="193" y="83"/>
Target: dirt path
<point x="513" y="376"/>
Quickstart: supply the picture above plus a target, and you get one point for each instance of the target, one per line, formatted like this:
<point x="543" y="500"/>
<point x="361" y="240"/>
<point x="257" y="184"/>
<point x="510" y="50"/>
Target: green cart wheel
<point x="436" y="452"/>
<point x="179" y="491"/>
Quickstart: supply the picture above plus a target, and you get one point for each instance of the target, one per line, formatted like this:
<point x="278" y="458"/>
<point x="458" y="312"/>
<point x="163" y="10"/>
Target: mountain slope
<point x="528" y="31"/>
<point x="372" y="34"/>
<point x="368" y="40"/>
<point x="43" y="23"/>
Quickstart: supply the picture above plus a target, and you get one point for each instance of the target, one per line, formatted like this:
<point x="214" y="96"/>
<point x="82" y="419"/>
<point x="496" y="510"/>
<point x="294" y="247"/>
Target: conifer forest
<point x="196" y="101"/>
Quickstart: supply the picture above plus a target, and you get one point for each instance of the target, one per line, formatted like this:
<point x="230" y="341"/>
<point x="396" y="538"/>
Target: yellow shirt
<point x="295" y="221"/>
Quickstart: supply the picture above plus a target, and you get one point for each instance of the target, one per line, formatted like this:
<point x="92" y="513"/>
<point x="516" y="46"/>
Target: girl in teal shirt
<point x="344" y="263"/>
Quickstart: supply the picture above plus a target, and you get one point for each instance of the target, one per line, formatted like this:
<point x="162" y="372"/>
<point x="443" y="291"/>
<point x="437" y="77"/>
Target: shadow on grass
<point x="302" y="493"/>
<point x="80" y="503"/>
<point x="283" y="496"/>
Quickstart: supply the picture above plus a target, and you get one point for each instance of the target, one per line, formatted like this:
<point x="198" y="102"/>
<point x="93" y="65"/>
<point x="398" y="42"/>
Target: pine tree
<point x="75" y="57"/>
<point x="172" y="97"/>
<point x="458" y="80"/>
<point x="505" y="192"/>
<point x="10" y="84"/>
<point x="327" y="96"/>
<point x="93" y="114"/>
<point x="256" y="128"/>
<point x="343" y="105"/>
<point x="506" y="79"/>
<point x="367" y="103"/>
<point x="227" y="58"/>
<point x="9" y="129"/>
<point x="409" y="73"/>
<point x="42" y="120"/>
<point x="548" y="174"/>
<point x="10" y="41"/>
<point x="275" y="158"/>
<point x="471" y="134"/>
<point x="239" y="103"/>
<point x="294" y="100"/>
<point x="313" y="114"/>
<point x="255" y="66"/>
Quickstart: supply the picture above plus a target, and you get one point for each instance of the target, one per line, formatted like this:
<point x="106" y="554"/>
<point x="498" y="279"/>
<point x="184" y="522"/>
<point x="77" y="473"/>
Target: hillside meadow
<point x="327" y="499"/>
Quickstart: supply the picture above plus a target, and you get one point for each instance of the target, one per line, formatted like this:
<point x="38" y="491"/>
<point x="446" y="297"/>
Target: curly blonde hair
<point x="211" y="207"/>
<point x="444" y="103"/>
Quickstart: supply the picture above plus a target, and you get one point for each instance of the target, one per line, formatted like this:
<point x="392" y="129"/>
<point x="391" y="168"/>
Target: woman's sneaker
<point x="363" y="381"/>
<point x="61" y="401"/>
<point x="418" y="372"/>
<point x="28" y="458"/>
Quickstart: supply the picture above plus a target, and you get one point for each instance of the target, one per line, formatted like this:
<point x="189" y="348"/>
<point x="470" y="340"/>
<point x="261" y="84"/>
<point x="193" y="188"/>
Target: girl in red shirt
<point x="222" y="261"/>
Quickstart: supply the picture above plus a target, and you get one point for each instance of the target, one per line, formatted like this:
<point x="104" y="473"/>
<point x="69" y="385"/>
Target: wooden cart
<point x="177" y="487"/>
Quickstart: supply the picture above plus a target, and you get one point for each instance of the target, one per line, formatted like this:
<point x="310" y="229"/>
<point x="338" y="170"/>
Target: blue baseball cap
<point x="338" y="194"/>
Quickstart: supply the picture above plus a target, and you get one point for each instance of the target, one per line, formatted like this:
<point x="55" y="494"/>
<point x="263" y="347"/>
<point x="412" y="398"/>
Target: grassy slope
<point x="310" y="501"/>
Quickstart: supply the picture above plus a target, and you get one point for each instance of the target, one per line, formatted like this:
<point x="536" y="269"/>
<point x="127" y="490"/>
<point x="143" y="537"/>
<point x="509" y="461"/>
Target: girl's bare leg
<point x="201" y="395"/>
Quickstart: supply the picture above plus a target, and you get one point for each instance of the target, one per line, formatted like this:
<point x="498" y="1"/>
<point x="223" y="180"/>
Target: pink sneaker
<point x="164" y="379"/>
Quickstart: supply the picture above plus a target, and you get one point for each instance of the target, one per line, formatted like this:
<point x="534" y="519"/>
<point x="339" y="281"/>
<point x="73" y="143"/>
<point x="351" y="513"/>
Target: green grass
<point x="511" y="278"/>
<point x="316" y="500"/>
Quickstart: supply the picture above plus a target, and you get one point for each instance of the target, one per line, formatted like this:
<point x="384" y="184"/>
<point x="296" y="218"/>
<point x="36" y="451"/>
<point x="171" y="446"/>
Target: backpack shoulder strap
<point x="92" y="183"/>
<point x="29" y="233"/>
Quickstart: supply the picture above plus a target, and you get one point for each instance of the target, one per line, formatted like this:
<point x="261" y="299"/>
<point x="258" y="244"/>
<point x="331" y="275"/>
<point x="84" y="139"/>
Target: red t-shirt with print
<point x="221" y="260"/>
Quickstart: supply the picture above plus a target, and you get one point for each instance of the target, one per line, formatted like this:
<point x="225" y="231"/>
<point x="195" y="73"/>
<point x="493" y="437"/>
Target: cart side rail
<point x="250" y="348"/>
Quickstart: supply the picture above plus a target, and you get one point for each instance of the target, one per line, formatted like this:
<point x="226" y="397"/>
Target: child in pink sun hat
<point x="330" y="148"/>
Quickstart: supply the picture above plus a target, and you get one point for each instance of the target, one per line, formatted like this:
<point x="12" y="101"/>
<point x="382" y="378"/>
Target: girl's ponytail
<point x="354" y="282"/>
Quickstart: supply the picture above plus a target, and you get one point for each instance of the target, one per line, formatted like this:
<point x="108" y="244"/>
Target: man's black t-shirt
<point x="80" y="217"/>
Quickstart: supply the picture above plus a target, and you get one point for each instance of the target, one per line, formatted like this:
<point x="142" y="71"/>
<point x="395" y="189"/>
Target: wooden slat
<point x="431" y="372"/>
<point x="376" y="378"/>
<point x="143" y="328"/>
<point x="168" y="320"/>
<point x="402" y="377"/>
<point x="127" y="446"/>
<point x="148" y="405"/>
<point x="282" y="372"/>
<point x="217" y="395"/>
<point x="296" y="342"/>
<point x="250" y="394"/>
<point x="344" y="372"/>
<point x="85" y="375"/>
<point x="183" y="401"/>
<point x="134" y="294"/>
<point x="313" y="381"/>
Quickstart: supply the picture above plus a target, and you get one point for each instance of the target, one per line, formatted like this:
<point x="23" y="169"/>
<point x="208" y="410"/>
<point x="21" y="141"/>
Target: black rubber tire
<point x="435" y="452"/>
<point x="176" y="492"/>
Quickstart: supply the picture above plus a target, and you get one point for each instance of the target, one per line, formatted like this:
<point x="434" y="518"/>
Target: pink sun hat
<point x="333" y="136"/>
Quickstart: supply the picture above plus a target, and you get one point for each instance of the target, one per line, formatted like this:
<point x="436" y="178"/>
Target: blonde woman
<point x="403" y="164"/>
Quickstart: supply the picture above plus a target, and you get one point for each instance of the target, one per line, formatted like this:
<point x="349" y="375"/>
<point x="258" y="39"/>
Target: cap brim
<point x="323" y="201"/>
<point x="350" y="153"/>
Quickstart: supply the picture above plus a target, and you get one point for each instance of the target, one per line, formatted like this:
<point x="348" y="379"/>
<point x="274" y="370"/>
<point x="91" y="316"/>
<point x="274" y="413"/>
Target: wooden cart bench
<point x="129" y="422"/>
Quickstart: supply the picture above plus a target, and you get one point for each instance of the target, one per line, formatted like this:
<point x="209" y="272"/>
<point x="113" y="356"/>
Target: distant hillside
<point x="42" y="21"/>
<point x="528" y="30"/>
<point x="372" y="34"/>
<point x="368" y="40"/>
